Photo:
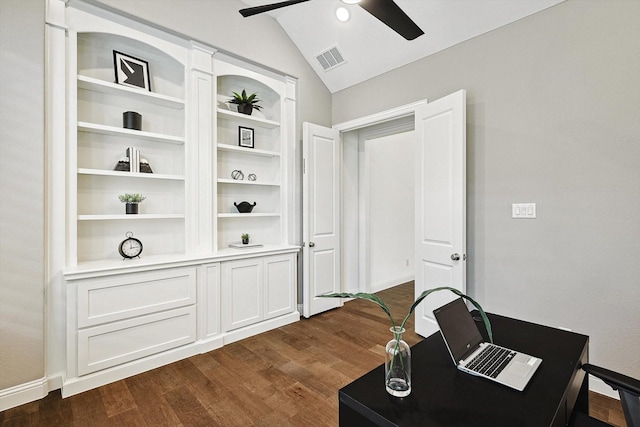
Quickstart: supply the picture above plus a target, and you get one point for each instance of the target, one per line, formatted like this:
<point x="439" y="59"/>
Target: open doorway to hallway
<point x="378" y="206"/>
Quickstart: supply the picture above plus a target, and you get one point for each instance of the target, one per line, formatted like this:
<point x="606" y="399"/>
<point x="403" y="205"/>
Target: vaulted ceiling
<point x="370" y="48"/>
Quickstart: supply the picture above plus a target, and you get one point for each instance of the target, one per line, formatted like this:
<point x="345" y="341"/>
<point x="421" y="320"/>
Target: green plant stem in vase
<point x="398" y="352"/>
<point x="245" y="239"/>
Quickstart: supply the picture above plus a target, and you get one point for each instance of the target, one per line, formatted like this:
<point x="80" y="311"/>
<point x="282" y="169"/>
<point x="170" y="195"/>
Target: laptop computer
<point x="470" y="354"/>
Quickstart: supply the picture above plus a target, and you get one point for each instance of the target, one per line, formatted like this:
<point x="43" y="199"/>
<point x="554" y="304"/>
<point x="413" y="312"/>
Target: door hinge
<point x="304" y="166"/>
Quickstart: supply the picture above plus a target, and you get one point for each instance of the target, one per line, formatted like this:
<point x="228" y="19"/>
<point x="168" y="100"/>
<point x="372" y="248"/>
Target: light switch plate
<point x="523" y="210"/>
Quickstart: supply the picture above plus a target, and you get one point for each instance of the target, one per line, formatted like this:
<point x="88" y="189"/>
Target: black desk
<point x="443" y="396"/>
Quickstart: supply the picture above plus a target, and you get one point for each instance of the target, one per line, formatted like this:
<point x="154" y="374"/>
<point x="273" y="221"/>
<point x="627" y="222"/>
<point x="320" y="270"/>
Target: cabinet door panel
<point x="126" y="296"/>
<point x="242" y="293"/>
<point x="112" y="344"/>
<point x="280" y="275"/>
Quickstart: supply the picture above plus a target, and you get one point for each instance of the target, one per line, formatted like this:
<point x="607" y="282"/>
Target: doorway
<point x="378" y="206"/>
<point x="440" y="200"/>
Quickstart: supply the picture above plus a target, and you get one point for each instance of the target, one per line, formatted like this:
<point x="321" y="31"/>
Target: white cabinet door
<point x="242" y="292"/>
<point x="258" y="289"/>
<point x="101" y="347"/>
<point x="440" y="204"/>
<point x="125" y="296"/>
<point x="280" y="290"/>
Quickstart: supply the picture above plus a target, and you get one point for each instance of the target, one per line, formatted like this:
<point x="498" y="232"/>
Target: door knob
<point x="455" y="257"/>
<point x="311" y="244"/>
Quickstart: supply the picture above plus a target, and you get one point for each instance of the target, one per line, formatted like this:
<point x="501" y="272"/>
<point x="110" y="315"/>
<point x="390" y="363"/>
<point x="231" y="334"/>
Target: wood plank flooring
<point x="286" y="377"/>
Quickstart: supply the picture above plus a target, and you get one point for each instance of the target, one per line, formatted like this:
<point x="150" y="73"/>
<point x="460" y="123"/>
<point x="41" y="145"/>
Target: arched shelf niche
<point x="96" y="61"/>
<point x="269" y="97"/>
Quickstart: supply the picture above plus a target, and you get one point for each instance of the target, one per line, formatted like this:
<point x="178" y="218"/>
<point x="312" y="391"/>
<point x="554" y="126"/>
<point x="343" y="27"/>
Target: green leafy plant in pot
<point x="398" y="353"/>
<point x="245" y="103"/>
<point x="131" y="201"/>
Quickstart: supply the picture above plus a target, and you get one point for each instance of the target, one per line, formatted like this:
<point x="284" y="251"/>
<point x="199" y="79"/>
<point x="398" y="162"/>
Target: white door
<point x="440" y="204"/>
<point x="320" y="218"/>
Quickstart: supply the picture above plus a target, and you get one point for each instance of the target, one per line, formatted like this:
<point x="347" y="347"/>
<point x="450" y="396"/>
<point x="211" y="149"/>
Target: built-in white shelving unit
<point x="101" y="141"/>
<point x="266" y="160"/>
<point x="187" y="292"/>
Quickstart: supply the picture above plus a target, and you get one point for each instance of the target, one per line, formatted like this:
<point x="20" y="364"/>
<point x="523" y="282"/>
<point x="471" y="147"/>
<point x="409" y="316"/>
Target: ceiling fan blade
<point x="250" y="11"/>
<point x="390" y="14"/>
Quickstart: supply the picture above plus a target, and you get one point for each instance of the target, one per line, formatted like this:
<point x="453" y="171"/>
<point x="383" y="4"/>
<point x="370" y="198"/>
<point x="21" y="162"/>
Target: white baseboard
<point x="599" y="386"/>
<point x="258" y="328"/>
<point x="381" y="286"/>
<point x="23" y="393"/>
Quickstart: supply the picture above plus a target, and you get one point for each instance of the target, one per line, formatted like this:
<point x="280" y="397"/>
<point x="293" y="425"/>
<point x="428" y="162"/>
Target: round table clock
<point x="130" y="247"/>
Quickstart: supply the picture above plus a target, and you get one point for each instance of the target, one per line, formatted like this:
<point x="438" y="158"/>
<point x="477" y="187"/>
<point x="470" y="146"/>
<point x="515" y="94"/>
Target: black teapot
<point x="244" y="207"/>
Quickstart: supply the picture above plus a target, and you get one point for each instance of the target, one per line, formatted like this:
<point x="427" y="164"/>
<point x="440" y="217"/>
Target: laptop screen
<point x="458" y="329"/>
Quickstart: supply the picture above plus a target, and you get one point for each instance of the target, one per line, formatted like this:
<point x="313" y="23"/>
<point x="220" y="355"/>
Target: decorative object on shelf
<point x="237" y="175"/>
<point x="130" y="247"/>
<point x="397" y="378"/>
<point x="245" y="137"/>
<point x="123" y="165"/>
<point x="134" y="159"/>
<point x="131" y="71"/>
<point x="245" y="103"/>
<point x="245" y="238"/>
<point x="252" y="177"/>
<point x="240" y="245"/>
<point x="245" y="207"/>
<point x="131" y="120"/>
<point x="145" y="167"/>
<point x="132" y="201"/>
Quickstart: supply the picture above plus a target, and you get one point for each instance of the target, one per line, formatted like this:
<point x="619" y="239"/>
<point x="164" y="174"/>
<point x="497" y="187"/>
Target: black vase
<point x="245" y="109"/>
<point x="131" y="120"/>
<point x="132" y="208"/>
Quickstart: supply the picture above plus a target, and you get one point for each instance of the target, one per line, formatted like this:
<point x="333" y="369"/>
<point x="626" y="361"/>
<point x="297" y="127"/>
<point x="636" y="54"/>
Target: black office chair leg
<point x="631" y="408"/>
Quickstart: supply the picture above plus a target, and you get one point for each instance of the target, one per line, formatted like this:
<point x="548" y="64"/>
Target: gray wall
<point x="21" y="191"/>
<point x="553" y="117"/>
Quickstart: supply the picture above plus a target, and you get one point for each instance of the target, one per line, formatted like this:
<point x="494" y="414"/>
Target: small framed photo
<point x="131" y="71"/>
<point x="245" y="137"/>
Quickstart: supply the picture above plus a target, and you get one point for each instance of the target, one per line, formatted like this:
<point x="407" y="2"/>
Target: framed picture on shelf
<point x="245" y="137"/>
<point x="131" y="71"/>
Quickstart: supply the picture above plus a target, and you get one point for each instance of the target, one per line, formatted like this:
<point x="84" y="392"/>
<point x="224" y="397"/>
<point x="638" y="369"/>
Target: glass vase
<point x="397" y="367"/>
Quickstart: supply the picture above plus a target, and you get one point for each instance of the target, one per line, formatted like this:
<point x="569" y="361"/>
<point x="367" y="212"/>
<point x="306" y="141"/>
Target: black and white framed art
<point x="245" y="137"/>
<point x="131" y="71"/>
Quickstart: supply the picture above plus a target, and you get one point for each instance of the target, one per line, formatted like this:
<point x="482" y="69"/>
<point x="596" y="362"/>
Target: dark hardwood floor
<point x="286" y="377"/>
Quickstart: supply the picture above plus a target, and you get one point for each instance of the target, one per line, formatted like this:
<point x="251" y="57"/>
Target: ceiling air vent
<point x="330" y="59"/>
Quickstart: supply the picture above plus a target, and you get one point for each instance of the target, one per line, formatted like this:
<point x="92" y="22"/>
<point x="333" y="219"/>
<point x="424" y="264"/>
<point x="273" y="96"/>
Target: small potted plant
<point x="245" y="238"/>
<point x="132" y="201"/>
<point x="245" y="103"/>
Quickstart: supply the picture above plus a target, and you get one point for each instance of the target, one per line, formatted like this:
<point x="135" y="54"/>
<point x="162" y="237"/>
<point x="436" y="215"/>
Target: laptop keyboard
<point x="491" y="361"/>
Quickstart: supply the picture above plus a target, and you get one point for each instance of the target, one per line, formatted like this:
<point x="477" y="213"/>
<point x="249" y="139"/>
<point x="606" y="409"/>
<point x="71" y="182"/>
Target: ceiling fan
<point x="387" y="11"/>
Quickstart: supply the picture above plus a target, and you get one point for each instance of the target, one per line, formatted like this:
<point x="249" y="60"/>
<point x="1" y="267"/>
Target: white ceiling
<point x="370" y="48"/>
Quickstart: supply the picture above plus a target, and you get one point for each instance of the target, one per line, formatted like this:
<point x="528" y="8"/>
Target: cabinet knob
<point x="455" y="257"/>
<point x="311" y="244"/>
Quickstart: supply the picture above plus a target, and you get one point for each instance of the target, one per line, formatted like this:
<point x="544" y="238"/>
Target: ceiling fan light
<point x="342" y="14"/>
